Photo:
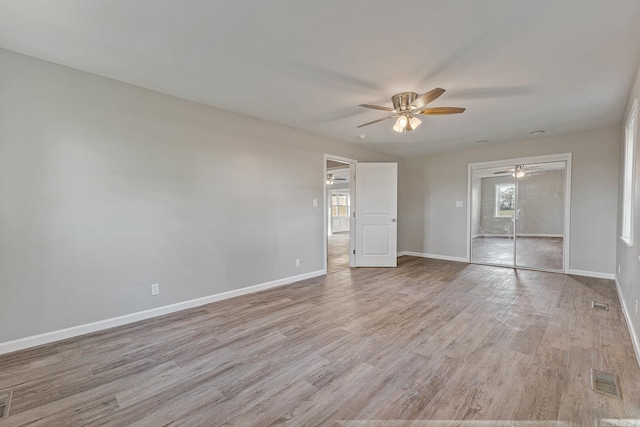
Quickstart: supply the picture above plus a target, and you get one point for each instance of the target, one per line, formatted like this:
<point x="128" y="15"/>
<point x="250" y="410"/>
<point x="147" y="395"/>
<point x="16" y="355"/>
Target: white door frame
<point x="562" y="157"/>
<point x="352" y="195"/>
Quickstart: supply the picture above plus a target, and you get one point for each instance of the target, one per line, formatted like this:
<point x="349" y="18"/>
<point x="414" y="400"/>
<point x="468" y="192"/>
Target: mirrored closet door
<point x="518" y="215"/>
<point x="492" y="208"/>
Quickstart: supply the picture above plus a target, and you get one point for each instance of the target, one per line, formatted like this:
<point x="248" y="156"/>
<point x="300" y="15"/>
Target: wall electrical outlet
<point x="155" y="289"/>
<point x="618" y="268"/>
<point x="459" y="204"/>
<point x="636" y="307"/>
<point x="298" y="262"/>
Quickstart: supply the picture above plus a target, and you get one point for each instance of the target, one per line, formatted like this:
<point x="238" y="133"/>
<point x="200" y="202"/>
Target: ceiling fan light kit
<point x="329" y="179"/>
<point x="401" y="124"/>
<point x="408" y="104"/>
<point x="414" y="122"/>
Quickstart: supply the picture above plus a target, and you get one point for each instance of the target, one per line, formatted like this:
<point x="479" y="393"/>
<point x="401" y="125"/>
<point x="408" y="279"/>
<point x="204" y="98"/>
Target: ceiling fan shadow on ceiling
<point x="406" y="105"/>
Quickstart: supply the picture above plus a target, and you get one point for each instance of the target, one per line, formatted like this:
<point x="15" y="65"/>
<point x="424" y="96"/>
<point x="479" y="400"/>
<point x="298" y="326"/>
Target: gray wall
<point x="107" y="188"/>
<point x="433" y="224"/>
<point x="627" y="256"/>
<point x="540" y="202"/>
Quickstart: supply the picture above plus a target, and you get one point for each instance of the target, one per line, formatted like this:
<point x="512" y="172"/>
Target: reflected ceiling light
<point x="518" y="172"/>
<point x="537" y="132"/>
<point x="329" y="179"/>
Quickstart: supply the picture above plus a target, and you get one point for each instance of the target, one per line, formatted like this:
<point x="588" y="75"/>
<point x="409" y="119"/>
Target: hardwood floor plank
<point x="337" y="252"/>
<point x="161" y="410"/>
<point x="335" y="396"/>
<point x="411" y="393"/>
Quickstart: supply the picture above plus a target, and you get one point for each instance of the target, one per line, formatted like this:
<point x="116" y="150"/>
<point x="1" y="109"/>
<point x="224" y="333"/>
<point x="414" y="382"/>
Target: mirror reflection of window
<point x="505" y="200"/>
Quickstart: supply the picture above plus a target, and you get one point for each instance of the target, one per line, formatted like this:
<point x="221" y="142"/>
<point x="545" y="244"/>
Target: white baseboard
<point x="539" y="235"/>
<point x="434" y="256"/>
<point x="595" y="274"/>
<point x="49" y="337"/>
<point x="585" y="273"/>
<point x="634" y="337"/>
<point x="519" y="235"/>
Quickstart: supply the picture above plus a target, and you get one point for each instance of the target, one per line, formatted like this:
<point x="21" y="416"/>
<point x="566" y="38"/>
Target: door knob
<point x="393" y="220"/>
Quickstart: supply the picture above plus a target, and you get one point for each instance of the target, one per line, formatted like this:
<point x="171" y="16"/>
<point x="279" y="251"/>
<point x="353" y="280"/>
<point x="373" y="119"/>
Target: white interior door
<point x="376" y="214"/>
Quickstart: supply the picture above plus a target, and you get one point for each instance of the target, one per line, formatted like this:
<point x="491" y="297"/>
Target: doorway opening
<point x="519" y="212"/>
<point x="339" y="192"/>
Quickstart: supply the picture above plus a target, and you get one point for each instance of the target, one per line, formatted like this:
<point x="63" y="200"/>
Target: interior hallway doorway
<point x="339" y="210"/>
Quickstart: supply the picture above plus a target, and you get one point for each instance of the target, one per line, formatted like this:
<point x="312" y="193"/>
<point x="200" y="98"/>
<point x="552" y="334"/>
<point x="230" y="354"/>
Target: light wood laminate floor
<point x="534" y="252"/>
<point x="337" y="252"/>
<point x="429" y="340"/>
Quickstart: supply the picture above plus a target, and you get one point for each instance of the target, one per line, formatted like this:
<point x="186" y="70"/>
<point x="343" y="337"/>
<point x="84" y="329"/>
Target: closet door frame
<point x="563" y="157"/>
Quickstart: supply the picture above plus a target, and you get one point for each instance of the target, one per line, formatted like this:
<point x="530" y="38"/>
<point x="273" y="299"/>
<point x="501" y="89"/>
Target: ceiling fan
<point x="408" y="104"/>
<point x="518" y="171"/>
<point x="331" y="179"/>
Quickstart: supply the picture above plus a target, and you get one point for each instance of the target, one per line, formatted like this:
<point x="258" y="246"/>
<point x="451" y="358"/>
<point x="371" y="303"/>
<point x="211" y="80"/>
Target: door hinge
<point x="354" y="251"/>
<point x="354" y="214"/>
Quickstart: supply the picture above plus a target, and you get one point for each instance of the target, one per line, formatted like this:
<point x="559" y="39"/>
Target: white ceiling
<point x="516" y="65"/>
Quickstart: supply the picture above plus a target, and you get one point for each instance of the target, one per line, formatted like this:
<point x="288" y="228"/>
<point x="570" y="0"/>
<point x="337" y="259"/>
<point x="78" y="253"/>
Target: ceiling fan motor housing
<point x="403" y="100"/>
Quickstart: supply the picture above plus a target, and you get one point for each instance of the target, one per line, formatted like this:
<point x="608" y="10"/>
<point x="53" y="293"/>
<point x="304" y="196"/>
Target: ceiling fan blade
<point x="439" y="111"/>
<point x="376" y="107"/>
<point x="423" y="100"/>
<point x="376" y="121"/>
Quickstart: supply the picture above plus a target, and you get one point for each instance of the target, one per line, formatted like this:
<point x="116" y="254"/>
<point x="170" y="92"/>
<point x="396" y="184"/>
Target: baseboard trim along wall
<point x="585" y="273"/>
<point x="596" y="274"/>
<point x="519" y="235"/>
<point x="434" y="256"/>
<point x="634" y="336"/>
<point x="53" y="336"/>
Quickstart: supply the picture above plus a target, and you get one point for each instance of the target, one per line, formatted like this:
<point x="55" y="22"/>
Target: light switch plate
<point x="459" y="204"/>
<point x="315" y="203"/>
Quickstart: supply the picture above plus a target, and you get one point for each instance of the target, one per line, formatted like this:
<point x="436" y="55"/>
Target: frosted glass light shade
<point x="414" y="122"/>
<point x="401" y="124"/>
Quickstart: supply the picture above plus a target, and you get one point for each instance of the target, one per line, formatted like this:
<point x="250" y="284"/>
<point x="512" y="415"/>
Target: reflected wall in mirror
<point x="540" y="216"/>
<point x="493" y="205"/>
